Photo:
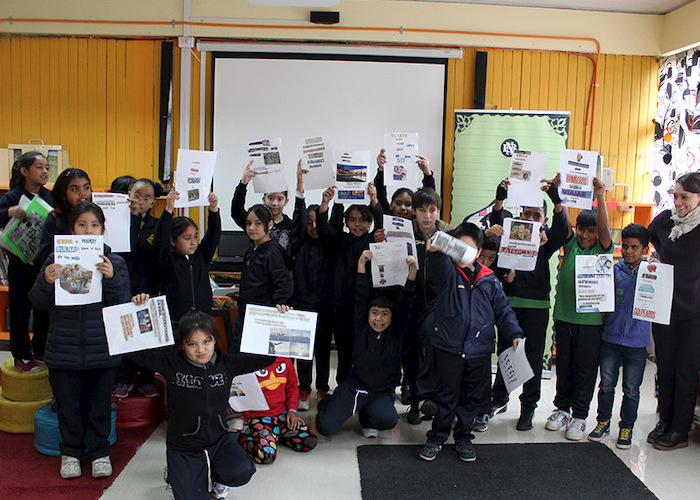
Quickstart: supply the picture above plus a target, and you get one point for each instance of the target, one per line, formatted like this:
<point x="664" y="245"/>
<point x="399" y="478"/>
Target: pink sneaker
<point x="122" y="390"/>
<point x="149" y="390"/>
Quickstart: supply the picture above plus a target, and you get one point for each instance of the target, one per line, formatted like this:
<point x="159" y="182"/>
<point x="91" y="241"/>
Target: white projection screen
<point x="349" y="100"/>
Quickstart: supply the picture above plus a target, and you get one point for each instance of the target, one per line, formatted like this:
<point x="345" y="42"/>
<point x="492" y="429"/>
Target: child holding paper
<point x="470" y="305"/>
<point x="376" y="370"/>
<point x="200" y="450"/>
<point x="578" y="334"/>
<point x="402" y="199"/>
<point x="624" y="342"/>
<point x="81" y="370"/>
<point x="264" y="429"/>
<point x="29" y="175"/>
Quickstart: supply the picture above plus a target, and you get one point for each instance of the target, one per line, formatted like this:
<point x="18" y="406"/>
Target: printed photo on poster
<point x="270" y="332"/>
<point x="132" y="328"/>
<point x="520" y="245"/>
<point x="266" y="156"/>
<point x="80" y="282"/>
<point x="351" y="177"/>
<point x="193" y="177"/>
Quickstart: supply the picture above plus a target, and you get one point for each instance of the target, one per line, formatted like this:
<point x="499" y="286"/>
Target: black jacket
<point x="385" y="206"/>
<point x="142" y="273"/>
<point x="185" y="280"/>
<point x="77" y="338"/>
<point x="265" y="278"/>
<point x="198" y="394"/>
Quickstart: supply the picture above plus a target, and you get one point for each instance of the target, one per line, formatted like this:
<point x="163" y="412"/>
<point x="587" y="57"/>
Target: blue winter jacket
<point x="465" y="314"/>
<point x="619" y="327"/>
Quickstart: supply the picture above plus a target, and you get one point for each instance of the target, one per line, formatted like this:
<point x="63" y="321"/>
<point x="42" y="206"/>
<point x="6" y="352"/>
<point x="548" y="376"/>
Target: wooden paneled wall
<point x="98" y="98"/>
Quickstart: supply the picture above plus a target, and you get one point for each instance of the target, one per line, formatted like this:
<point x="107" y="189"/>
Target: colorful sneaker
<point x="481" y="423"/>
<point x="557" y="420"/>
<point x="27" y="365"/>
<point x="497" y="408"/>
<point x="101" y="467"/>
<point x="70" y="467"/>
<point x="624" y="440"/>
<point x="466" y="452"/>
<point x="370" y="433"/>
<point x="429" y="451"/>
<point x="303" y="401"/>
<point x="600" y="431"/>
<point x="219" y="491"/>
<point x="149" y="390"/>
<point x="122" y="390"/>
<point x="576" y="429"/>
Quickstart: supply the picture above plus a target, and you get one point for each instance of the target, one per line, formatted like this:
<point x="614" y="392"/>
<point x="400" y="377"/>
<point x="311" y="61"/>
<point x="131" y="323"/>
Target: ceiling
<point x="629" y="6"/>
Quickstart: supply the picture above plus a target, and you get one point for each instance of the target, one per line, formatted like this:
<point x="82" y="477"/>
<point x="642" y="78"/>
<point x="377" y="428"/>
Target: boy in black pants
<point x="376" y="361"/>
<point x="470" y="303"/>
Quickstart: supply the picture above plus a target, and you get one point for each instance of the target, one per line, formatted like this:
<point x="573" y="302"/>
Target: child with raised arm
<point x="401" y="201"/>
<point x="578" y="334"/>
<point x="376" y="359"/>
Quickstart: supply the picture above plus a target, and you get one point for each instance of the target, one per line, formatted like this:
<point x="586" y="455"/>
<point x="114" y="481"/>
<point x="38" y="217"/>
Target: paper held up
<point x="388" y="263"/>
<point x="577" y="169"/>
<point x="117" y="210"/>
<point x="272" y="333"/>
<point x="527" y="170"/>
<point x="352" y="177"/>
<point x="22" y="237"/>
<point x="520" y="245"/>
<point x="132" y="328"/>
<point x="193" y="177"/>
<point x="80" y="282"/>
<point x="401" y="156"/>
<point x="515" y="368"/>
<point x="246" y="394"/>
<point x="595" y="285"/>
<point x="653" y="294"/>
<point x="266" y="155"/>
<point x="318" y="160"/>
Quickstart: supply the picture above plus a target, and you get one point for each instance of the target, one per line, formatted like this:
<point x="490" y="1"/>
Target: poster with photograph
<point x="246" y="394"/>
<point x="388" y="263"/>
<point x="132" y="328"/>
<point x="520" y="245"/>
<point x="81" y="282"/>
<point x="318" y="160"/>
<point x="577" y="169"/>
<point x="653" y="294"/>
<point x="272" y="333"/>
<point x="266" y="155"/>
<point x="400" y="229"/>
<point x="22" y="237"/>
<point x="595" y="283"/>
<point x="193" y="177"/>
<point x="401" y="169"/>
<point x="352" y="177"/>
<point x="527" y="170"/>
<point x="116" y="208"/>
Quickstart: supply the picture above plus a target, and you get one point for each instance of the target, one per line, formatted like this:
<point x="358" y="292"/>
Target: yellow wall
<point x="97" y="98"/>
<point x="680" y="29"/>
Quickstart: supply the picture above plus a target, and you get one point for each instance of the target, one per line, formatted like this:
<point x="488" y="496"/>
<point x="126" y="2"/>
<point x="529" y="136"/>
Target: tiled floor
<point x="331" y="470"/>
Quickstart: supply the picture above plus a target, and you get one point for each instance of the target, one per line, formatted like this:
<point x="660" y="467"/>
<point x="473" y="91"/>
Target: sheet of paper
<point x="267" y="165"/>
<point x="246" y="394"/>
<point x="653" y="294"/>
<point x="388" y="263"/>
<point x="22" y="237"/>
<point x="132" y="328"/>
<point x="352" y="177"/>
<point x="520" y="245"/>
<point x="193" y="177"/>
<point x="272" y="333"/>
<point x="401" y="169"/>
<point x="527" y="170"/>
<point x="318" y="160"/>
<point x="81" y="282"/>
<point x="116" y="208"/>
<point x="400" y="229"/>
<point x="595" y="285"/>
<point x="577" y="169"/>
<point x="515" y="368"/>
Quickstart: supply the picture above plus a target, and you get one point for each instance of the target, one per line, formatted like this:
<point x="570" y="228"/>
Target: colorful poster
<point x="81" y="282"/>
<point x="653" y="294"/>
<point x="352" y="177"/>
<point x="116" y="208"/>
<point x="22" y="237"/>
<point x="318" y="160"/>
<point x="527" y="170"/>
<point x="193" y="177"/>
<point x="595" y="283"/>
<point x="266" y="155"/>
<point x="577" y="169"/>
<point x="132" y="328"/>
<point x="520" y="245"/>
<point x="388" y="264"/>
<point x="401" y="169"/>
<point x="272" y="333"/>
<point x="400" y="229"/>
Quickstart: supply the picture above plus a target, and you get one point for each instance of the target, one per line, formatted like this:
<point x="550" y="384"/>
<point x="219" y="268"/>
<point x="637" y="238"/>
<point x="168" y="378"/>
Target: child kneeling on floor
<point x="376" y="359"/>
<point x="203" y="458"/>
<point x="264" y="428"/>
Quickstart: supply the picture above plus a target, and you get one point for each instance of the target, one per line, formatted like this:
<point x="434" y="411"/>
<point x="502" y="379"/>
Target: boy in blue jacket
<point x="470" y="304"/>
<point x="624" y="342"/>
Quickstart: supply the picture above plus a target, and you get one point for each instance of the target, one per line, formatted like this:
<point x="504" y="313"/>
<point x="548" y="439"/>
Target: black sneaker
<point x="624" y="440"/>
<point x="413" y="415"/>
<point x="429" y="451"/>
<point x="429" y="409"/>
<point x="525" y="420"/>
<point x="497" y="408"/>
<point x="660" y="429"/>
<point x="466" y="452"/>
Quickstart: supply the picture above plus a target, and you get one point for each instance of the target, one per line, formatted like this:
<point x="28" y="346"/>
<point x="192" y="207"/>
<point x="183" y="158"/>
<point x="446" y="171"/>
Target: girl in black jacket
<point x="82" y="371"/>
<point x="265" y="279"/>
<point x="29" y="175"/>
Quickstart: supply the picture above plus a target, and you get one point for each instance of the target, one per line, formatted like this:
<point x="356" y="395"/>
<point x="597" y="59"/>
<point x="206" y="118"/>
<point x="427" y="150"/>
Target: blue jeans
<point x="633" y="361"/>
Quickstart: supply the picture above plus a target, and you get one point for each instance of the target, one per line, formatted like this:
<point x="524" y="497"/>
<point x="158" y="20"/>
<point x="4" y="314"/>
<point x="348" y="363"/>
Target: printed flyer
<point x="388" y="264"/>
<point x="520" y="245"/>
<point x="272" y="333"/>
<point x="527" y="170"/>
<point x="595" y="285"/>
<point x="577" y="169"/>
<point x="132" y="328"/>
<point x="266" y="155"/>
<point x="81" y="282"/>
<point x="22" y="237"/>
<point x="193" y="177"/>
<point x="352" y="177"/>
<point x="401" y="169"/>
<point x="318" y="160"/>
<point x="116" y="208"/>
<point x="653" y="294"/>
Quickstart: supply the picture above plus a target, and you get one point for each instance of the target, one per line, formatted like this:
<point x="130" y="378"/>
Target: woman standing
<point x="676" y="237"/>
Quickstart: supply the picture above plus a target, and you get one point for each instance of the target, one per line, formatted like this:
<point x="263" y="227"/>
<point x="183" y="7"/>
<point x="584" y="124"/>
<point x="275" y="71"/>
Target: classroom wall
<point x="680" y="29"/>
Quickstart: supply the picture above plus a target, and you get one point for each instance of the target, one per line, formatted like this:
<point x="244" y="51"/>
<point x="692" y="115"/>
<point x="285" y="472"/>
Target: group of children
<point x="439" y="330"/>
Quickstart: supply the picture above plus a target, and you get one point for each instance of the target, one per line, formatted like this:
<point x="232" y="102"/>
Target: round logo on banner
<point x="509" y="147"/>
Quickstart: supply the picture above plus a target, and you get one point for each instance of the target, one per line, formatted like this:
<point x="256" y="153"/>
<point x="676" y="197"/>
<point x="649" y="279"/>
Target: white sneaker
<point x="70" y="467"/>
<point x="219" y="491"/>
<point x="370" y="433"/>
<point x="576" y="429"/>
<point x="557" y="420"/>
<point x="101" y="467"/>
<point x="303" y="401"/>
